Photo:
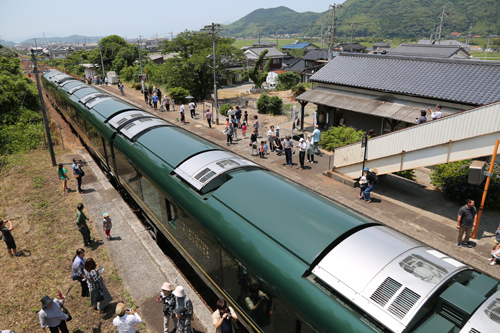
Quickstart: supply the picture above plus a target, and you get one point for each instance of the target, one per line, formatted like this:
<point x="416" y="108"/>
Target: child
<point x="244" y="130"/>
<point x="106" y="225"/>
<point x="64" y="177"/>
<point x="262" y="149"/>
<point x="496" y="246"/>
<point x="7" y="236"/>
<point x="495" y="254"/>
<point x="265" y="147"/>
<point x="363" y="183"/>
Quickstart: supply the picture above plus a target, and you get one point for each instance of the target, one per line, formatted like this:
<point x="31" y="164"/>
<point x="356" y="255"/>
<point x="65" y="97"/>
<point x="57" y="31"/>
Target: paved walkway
<point x="417" y="211"/>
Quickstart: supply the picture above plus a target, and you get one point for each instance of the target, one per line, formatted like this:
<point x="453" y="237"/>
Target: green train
<point x="286" y="258"/>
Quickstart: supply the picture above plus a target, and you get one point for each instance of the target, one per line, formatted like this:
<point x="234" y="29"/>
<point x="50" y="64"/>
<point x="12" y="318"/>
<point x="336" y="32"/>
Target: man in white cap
<point x="168" y="299"/>
<point x="183" y="310"/>
<point x="125" y="322"/>
<point x="302" y="151"/>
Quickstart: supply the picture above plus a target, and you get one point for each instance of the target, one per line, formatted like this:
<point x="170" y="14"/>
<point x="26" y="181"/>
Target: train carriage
<point x="287" y="259"/>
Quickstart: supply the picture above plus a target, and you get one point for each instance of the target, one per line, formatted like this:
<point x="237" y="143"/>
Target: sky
<point x="22" y="19"/>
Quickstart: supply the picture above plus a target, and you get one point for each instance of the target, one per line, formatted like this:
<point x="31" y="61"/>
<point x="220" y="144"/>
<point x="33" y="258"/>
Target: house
<point x="300" y="46"/>
<point x="90" y="69"/>
<point x="273" y="53"/>
<point x="455" y="35"/>
<point x="272" y="77"/>
<point x="351" y="47"/>
<point x="442" y="42"/>
<point x="309" y="64"/>
<point x="60" y="52"/>
<point x="387" y="93"/>
<point x="431" y="50"/>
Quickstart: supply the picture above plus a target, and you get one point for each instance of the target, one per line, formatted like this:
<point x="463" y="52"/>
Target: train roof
<point x="303" y="232"/>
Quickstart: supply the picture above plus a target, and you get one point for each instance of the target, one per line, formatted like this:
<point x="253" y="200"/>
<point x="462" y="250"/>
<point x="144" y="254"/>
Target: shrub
<point x="270" y="105"/>
<point x="339" y="136"/>
<point x="137" y="86"/>
<point x="452" y="179"/>
<point x="408" y="174"/>
<point x="287" y="80"/>
<point x="178" y="94"/>
<point x="299" y="89"/>
<point x="224" y="108"/>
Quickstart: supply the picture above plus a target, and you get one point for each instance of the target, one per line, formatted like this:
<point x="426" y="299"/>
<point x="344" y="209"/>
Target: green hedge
<point x="452" y="179"/>
<point x="270" y="105"/>
<point x="224" y="108"/>
<point x="339" y="136"/>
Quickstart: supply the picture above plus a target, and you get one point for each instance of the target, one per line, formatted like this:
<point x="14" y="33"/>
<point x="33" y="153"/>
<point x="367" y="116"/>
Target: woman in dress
<point x="95" y="284"/>
<point x="183" y="310"/>
<point x="77" y="272"/>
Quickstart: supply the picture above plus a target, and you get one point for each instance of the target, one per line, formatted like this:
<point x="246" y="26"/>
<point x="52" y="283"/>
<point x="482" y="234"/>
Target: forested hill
<point x="381" y="18"/>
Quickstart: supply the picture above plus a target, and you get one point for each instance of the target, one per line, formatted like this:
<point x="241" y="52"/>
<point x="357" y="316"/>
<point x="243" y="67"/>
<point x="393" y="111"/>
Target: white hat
<point x="301" y="139"/>
<point x="166" y="286"/>
<point x="179" y="292"/>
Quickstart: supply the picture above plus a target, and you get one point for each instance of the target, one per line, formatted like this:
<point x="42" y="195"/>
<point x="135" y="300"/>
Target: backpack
<point x="372" y="177"/>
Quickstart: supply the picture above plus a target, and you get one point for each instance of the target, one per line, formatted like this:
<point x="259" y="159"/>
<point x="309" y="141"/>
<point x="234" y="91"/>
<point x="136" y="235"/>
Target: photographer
<point x="78" y="173"/>
<point x="7" y="236"/>
<point x="125" y="319"/>
<point x="223" y="317"/>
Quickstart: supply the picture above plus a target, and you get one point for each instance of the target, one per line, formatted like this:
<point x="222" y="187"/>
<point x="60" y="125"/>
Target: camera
<point x="228" y="313"/>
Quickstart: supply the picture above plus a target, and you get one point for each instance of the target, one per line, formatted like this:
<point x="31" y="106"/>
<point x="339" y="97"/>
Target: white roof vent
<point x="486" y="318"/>
<point x="72" y="90"/>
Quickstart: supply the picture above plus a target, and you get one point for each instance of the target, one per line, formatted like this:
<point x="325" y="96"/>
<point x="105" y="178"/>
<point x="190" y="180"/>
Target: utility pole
<point x="488" y="46"/>
<point x="440" y="28"/>
<point x="259" y="35"/>
<point x="171" y="35"/>
<point x="102" y="62"/>
<point x="322" y="26"/>
<point x="468" y="38"/>
<point x="140" y="61"/>
<point x="44" y="111"/>
<point x="276" y="38"/>
<point x="212" y="30"/>
<point x="331" y="44"/>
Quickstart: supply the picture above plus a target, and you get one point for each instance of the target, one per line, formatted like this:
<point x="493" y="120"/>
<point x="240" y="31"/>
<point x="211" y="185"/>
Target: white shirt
<point x="191" y="105"/>
<point x="302" y="146"/>
<point x="182" y="108"/>
<point x="125" y="324"/>
<point x="436" y="115"/>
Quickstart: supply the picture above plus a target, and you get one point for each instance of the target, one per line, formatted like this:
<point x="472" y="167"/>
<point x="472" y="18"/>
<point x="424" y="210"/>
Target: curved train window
<point x="96" y="139"/>
<point x="151" y="197"/>
<point x="130" y="177"/>
<point x="423" y="269"/>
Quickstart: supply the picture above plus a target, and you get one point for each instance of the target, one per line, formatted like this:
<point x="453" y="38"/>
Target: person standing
<point x="77" y="272"/>
<point x="436" y="114"/>
<point x="126" y="319"/>
<point x="183" y="310"/>
<point x="302" y="151"/>
<point x="245" y="116"/>
<point x="192" y="109"/>
<point x="146" y="96"/>
<point x="229" y="133"/>
<point x="106" y="225"/>
<point x="310" y="149"/>
<point x="271" y="136"/>
<point x="465" y="222"/>
<point x="316" y="139"/>
<point x="208" y="115"/>
<point x="223" y="317"/>
<point x="81" y="223"/>
<point x="238" y="116"/>
<point x="106" y="81"/>
<point x="78" y="173"/>
<point x="52" y="316"/>
<point x="256" y="124"/>
<point x="7" y="236"/>
<point x="372" y="179"/>
<point x="158" y="93"/>
<point x="166" y="102"/>
<point x="155" y="101"/>
<point x="422" y="119"/>
<point x="173" y="104"/>
<point x="288" y="145"/>
<point x="168" y="300"/>
<point x="96" y="286"/>
<point x="235" y="127"/>
<point x="183" y="114"/>
<point x="253" y="142"/>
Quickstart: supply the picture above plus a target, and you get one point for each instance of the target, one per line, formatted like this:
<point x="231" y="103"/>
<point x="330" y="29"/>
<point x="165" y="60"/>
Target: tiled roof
<point x="466" y="81"/>
<point x="272" y="51"/>
<point x="423" y="50"/>
<point x="316" y="55"/>
<point x="296" y="46"/>
<point x="442" y="42"/>
<point x="298" y="67"/>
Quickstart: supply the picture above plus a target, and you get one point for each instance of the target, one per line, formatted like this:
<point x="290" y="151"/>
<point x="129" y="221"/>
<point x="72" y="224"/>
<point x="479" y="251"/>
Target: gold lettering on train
<point x="196" y="240"/>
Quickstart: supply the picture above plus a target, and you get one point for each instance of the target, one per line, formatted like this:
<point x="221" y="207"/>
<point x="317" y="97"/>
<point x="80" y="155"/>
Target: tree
<point x="287" y="80"/>
<point x="116" y="54"/>
<point x="340" y="136"/>
<point x="259" y="76"/>
<point x="269" y="105"/>
<point x="178" y="94"/>
<point x="192" y="68"/>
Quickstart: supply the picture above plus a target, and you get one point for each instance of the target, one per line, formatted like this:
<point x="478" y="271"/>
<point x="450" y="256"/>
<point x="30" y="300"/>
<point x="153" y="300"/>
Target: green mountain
<point x="379" y="18"/>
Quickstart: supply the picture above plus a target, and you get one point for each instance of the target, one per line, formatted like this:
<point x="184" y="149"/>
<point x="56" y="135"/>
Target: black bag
<point x="82" y="173"/>
<point x="97" y="295"/>
<point x="372" y="177"/>
<point x="66" y="312"/>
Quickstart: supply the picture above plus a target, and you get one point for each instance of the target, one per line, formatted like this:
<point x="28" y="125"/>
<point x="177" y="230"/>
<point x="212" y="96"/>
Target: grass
<point x="43" y="220"/>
